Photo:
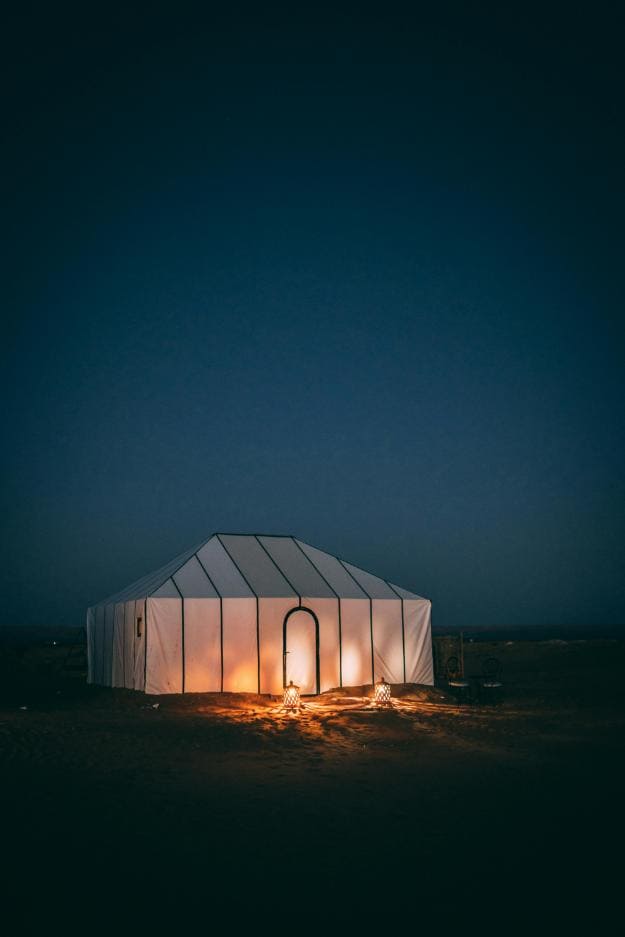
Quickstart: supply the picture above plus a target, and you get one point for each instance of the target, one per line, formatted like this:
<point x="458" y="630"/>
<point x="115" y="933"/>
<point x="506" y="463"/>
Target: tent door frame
<point x="301" y="608"/>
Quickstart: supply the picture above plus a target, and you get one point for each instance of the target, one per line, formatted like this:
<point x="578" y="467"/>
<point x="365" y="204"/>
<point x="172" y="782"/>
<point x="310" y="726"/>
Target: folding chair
<point x="456" y="682"/>
<point x="491" y="687"/>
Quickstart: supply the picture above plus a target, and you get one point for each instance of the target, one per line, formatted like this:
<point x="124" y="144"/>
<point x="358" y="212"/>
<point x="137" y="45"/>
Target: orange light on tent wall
<point x="382" y="693"/>
<point x="291" y="696"/>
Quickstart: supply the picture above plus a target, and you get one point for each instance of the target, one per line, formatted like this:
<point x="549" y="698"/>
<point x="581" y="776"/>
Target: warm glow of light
<point x="291" y="696"/>
<point x="352" y="665"/>
<point x="301" y="651"/>
<point x="382" y="693"/>
<point x="242" y="679"/>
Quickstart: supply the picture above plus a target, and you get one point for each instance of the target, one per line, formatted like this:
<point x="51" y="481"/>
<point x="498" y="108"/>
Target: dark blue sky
<point x="359" y="280"/>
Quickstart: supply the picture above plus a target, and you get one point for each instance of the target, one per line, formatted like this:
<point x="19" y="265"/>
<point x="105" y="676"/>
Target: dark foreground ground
<point x="455" y="817"/>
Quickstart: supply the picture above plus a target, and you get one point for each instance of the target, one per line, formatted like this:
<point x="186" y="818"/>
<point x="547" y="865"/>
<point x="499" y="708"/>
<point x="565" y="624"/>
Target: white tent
<point x="247" y="613"/>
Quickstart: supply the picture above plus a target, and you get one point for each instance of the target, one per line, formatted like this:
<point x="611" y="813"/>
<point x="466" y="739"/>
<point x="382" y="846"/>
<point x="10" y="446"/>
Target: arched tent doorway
<point x="301" y="650"/>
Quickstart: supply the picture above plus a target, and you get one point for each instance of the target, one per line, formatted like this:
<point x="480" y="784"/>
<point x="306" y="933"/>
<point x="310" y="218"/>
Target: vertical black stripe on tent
<point x="123" y="648"/>
<point x="87" y="643"/>
<point x="362" y="589"/>
<point x="93" y="645"/>
<point x="145" y="647"/>
<point x="299" y="605"/>
<point x="221" y="619"/>
<point x="338" y="600"/>
<point x="181" y="627"/>
<point x="282" y="573"/>
<point x="134" y="642"/>
<point x="132" y="632"/>
<point x="125" y="642"/>
<point x="114" y="637"/>
<point x="95" y="649"/>
<point x="100" y="662"/>
<point x="403" y="630"/>
<point x="103" y="642"/>
<point x="253" y="591"/>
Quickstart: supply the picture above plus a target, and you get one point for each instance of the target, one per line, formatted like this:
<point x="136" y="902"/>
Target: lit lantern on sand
<point x="382" y="693"/>
<point x="291" y="696"/>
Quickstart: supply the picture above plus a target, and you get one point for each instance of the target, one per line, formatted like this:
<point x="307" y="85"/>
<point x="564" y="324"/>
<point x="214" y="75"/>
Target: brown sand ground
<point x="430" y="811"/>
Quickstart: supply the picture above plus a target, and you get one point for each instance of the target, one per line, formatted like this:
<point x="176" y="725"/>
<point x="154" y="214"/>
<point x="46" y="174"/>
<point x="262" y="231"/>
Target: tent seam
<point x="338" y="599"/>
<point x="282" y="573"/>
<point x="403" y="631"/>
<point x="232" y="559"/>
<point x="221" y="617"/>
<point x="370" y="615"/>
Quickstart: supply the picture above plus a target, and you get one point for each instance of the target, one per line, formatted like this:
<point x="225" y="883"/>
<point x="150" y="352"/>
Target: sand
<point x="429" y="810"/>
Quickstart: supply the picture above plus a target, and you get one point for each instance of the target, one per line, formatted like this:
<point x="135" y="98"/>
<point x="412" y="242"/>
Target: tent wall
<point x="327" y="612"/>
<point x="418" y="632"/>
<point x="240" y="661"/>
<point x="164" y="646"/>
<point x="202" y="645"/>
<point x="139" y="645"/>
<point x="388" y="643"/>
<point x="129" y="645"/>
<point x="402" y="644"/>
<point x="271" y="613"/>
<point x="117" y="671"/>
<point x="356" y="641"/>
<point x="98" y="645"/>
<point x="108" y="631"/>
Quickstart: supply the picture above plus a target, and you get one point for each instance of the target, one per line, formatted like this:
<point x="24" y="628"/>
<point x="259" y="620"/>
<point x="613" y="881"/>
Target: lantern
<point x="291" y="696"/>
<point x="382" y="693"/>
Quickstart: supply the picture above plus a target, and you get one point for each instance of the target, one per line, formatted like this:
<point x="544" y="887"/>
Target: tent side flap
<point x="418" y="632"/>
<point x="240" y="617"/>
<point x="388" y="653"/>
<point x="202" y="645"/>
<point x="356" y="641"/>
<point x="118" y="644"/>
<point x="139" y="632"/>
<point x="164" y="646"/>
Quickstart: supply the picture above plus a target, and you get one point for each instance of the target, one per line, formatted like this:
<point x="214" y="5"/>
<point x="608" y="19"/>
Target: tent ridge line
<point x="403" y="626"/>
<point x="362" y="588"/>
<point x="316" y="568"/>
<point x="123" y="605"/>
<point x="232" y="560"/>
<point x="338" y="599"/>
<point x="146" y="579"/>
<point x="221" y="616"/>
<point x="205" y="571"/>
<point x="283" y="574"/>
<point x="370" y="616"/>
<point x="181" y="624"/>
<point x="178" y="568"/>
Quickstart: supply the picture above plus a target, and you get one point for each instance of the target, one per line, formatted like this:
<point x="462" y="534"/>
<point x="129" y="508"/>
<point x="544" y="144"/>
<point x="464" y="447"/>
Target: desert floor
<point x="431" y="811"/>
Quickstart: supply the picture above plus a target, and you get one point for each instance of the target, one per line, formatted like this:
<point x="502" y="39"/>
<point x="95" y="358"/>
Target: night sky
<point x="356" y="278"/>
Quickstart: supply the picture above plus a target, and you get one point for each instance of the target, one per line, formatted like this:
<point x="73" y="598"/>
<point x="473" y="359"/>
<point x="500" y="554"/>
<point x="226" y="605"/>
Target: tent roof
<point x="263" y="565"/>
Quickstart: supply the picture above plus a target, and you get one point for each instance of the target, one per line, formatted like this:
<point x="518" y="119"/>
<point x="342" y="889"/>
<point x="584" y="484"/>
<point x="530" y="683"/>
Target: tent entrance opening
<point x="301" y="650"/>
